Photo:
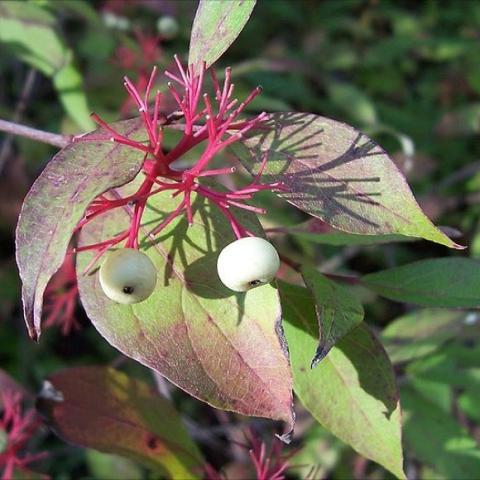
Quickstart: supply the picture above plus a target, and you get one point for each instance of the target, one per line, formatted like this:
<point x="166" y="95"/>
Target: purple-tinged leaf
<point x="104" y="409"/>
<point x="352" y="392"/>
<point x="337" y="310"/>
<point x="220" y="346"/>
<point x="338" y="174"/>
<point x="55" y="204"/>
<point x="438" y="282"/>
<point x="215" y="28"/>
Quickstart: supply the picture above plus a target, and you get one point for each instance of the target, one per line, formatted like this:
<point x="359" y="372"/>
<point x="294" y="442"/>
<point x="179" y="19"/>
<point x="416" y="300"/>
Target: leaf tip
<point x="287" y="436"/>
<point x="34" y="331"/>
<point x="320" y="354"/>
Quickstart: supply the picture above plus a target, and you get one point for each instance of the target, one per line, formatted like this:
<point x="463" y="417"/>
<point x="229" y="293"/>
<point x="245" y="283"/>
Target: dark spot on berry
<point x="255" y="283"/>
<point x="128" y="290"/>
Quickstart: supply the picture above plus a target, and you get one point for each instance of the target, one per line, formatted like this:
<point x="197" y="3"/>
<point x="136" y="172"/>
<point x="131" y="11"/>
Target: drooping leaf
<point x="104" y="409"/>
<point x="424" y="331"/>
<point x="440" y="282"/>
<point x="31" y="32"/>
<point x="221" y="347"/>
<point x="437" y="439"/>
<point x="336" y="173"/>
<point x="338" y="311"/>
<point x="215" y="28"/>
<point x="352" y="392"/>
<point x="55" y="204"/>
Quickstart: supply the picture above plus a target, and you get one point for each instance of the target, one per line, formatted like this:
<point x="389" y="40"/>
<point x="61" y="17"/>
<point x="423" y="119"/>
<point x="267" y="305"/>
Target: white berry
<point x="128" y="276"/>
<point x="247" y="263"/>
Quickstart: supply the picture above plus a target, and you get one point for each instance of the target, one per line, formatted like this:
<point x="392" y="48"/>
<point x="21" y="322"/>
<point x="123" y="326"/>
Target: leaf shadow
<point x="308" y="174"/>
<point x="198" y="272"/>
<point x="360" y="345"/>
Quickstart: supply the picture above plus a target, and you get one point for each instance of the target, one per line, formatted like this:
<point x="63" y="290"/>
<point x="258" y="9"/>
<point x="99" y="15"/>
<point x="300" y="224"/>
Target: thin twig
<point x="55" y="139"/>
<point x="17" y="114"/>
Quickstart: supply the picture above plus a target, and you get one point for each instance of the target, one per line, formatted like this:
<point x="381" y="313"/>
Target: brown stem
<point x="54" y="139"/>
<point x="291" y="263"/>
<point x="351" y="280"/>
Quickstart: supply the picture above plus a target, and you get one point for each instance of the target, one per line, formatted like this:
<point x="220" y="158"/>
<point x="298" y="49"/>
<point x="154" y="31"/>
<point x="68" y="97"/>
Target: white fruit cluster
<point x="128" y="276"/>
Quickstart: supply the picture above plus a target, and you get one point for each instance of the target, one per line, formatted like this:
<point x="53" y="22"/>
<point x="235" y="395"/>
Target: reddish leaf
<point x="101" y="408"/>
<point x="337" y="174"/>
<point x="55" y="204"/>
<point x="220" y="346"/>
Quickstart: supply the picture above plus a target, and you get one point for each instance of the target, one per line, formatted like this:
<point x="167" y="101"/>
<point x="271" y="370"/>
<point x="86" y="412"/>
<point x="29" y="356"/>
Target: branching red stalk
<point x="19" y="427"/>
<point x="215" y="123"/>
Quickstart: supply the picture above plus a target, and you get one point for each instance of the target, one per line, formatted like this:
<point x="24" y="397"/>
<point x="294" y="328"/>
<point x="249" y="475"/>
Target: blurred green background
<point x="407" y="73"/>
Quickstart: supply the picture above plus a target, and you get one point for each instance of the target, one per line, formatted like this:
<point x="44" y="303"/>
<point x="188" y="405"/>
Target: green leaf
<point x="450" y="366"/>
<point x="352" y="392"/>
<point x="57" y="201"/>
<point x="3" y="440"/>
<point x="338" y="311"/>
<point x="468" y="402"/>
<point x="336" y="173"/>
<point x="104" y="409"/>
<point x="353" y="102"/>
<point x="422" y="332"/>
<point x="220" y="346"/>
<point x="317" y="231"/>
<point x="437" y="439"/>
<point x="215" y="28"/>
<point x="104" y="466"/>
<point x="30" y="31"/>
<point x="440" y="282"/>
<point x="438" y="393"/>
<point x="461" y="122"/>
<point x="69" y="85"/>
